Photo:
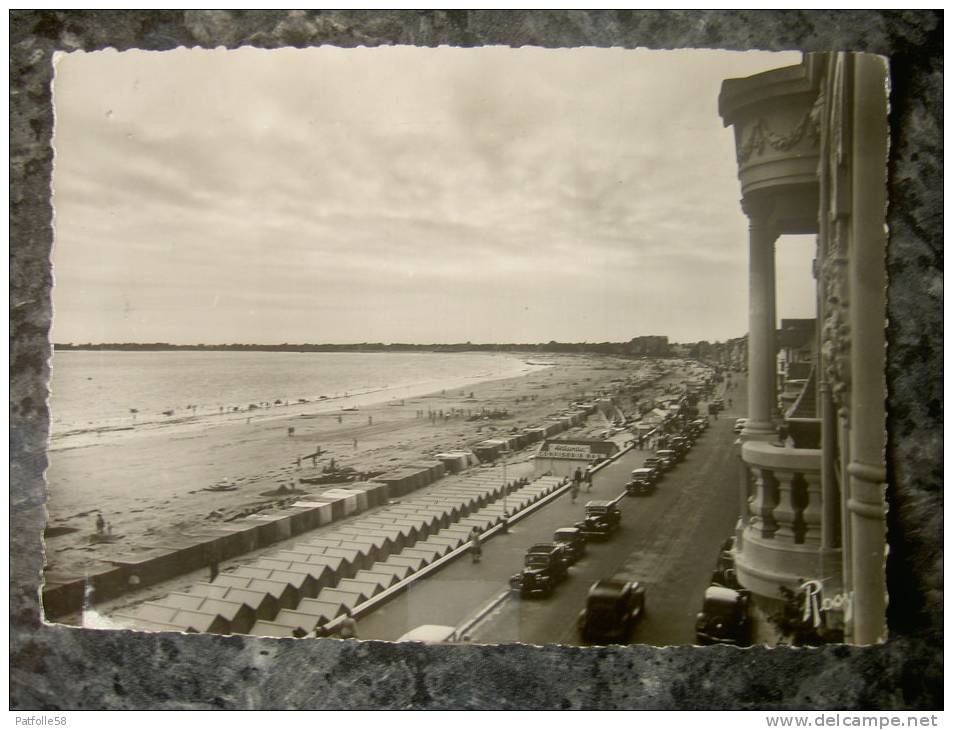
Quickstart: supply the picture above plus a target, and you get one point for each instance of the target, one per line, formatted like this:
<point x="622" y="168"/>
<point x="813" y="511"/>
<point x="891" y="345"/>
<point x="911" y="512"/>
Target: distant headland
<point x="649" y="345"/>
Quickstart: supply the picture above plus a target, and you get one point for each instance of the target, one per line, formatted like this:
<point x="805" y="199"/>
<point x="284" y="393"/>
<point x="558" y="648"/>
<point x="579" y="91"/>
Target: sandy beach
<point x="156" y="481"/>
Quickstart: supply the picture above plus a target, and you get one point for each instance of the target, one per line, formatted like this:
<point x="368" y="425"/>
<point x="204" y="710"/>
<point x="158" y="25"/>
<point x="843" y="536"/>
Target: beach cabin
<point x="441" y="545"/>
<point x="364" y="588"/>
<point x="263" y="606"/>
<point x="398" y="571"/>
<point x="383" y="579"/>
<point x="412" y="562"/>
<point x="349" y="599"/>
<point x="272" y="630"/>
<point x="321" y="610"/>
<point x="428" y="552"/>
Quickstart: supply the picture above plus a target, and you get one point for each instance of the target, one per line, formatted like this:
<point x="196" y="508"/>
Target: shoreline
<point x="372" y="398"/>
<point x="158" y="484"/>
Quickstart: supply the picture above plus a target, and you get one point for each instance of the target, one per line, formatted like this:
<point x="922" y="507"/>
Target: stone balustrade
<point x="781" y="542"/>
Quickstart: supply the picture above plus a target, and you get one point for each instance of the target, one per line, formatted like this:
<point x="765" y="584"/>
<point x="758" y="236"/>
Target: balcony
<point x="776" y="119"/>
<point x="781" y="537"/>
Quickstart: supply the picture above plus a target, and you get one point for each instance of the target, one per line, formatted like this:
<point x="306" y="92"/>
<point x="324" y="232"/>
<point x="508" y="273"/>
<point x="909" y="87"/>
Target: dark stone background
<point x="54" y="667"/>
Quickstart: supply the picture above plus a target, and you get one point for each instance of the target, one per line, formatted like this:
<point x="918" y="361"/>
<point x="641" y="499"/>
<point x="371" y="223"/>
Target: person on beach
<point x="213" y="570"/>
<point x="348" y="629"/>
<point x="476" y="549"/>
<point x="100" y="524"/>
<point x="355" y="443"/>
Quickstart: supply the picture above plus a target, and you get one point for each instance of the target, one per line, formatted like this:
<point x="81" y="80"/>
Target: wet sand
<point x="156" y="481"/>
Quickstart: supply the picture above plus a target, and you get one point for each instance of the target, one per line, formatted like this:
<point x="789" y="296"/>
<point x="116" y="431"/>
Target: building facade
<point x="811" y="146"/>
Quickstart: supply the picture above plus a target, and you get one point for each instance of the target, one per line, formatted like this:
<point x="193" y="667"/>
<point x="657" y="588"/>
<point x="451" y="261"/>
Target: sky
<point x="402" y="194"/>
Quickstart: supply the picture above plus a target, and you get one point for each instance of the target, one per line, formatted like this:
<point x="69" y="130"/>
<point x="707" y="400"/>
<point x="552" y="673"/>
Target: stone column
<point x="867" y="473"/>
<point x="830" y="518"/>
<point x="762" y="353"/>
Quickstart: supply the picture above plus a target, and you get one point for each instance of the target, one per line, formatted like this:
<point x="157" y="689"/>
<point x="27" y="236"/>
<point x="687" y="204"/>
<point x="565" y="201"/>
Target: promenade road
<point x="669" y="541"/>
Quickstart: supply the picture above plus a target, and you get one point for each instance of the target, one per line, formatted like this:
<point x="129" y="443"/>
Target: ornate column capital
<point x="758" y="208"/>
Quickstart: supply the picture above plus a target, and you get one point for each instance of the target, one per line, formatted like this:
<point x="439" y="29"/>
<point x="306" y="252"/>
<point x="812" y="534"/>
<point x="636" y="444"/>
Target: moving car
<point x="572" y="541"/>
<point x="723" y="618"/>
<point x="540" y="574"/>
<point x="642" y="482"/>
<point x="612" y="609"/>
<point x="602" y="519"/>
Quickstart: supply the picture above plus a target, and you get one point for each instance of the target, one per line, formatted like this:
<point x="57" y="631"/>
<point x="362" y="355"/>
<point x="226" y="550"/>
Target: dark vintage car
<point x="668" y="457"/>
<point x="726" y="556"/>
<point x="602" y="519"/>
<point x="683" y="444"/>
<point x="725" y="577"/>
<point x="540" y="574"/>
<point x="723" y="618"/>
<point x="557" y="550"/>
<point x="641" y="483"/>
<point x="654" y="463"/>
<point x="572" y="541"/>
<point x="612" y="609"/>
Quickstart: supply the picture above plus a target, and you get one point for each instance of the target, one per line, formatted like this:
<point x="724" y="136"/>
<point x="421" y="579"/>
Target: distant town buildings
<point x="654" y="345"/>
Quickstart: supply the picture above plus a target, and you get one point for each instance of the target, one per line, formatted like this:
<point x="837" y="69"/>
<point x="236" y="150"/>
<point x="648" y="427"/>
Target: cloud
<point x="398" y="194"/>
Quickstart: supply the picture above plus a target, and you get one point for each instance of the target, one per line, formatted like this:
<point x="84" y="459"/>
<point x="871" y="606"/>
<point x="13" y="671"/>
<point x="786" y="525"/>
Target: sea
<point x="101" y="391"/>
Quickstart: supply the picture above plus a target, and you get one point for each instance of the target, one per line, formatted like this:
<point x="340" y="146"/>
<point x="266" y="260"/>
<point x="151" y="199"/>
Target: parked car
<point x="602" y="519"/>
<point x="654" y="463"/>
<point x="683" y="443"/>
<point x="668" y="456"/>
<point x="540" y="574"/>
<point x="726" y="556"/>
<point x="642" y="482"/>
<point x="555" y="549"/>
<point x="723" y="618"/>
<point x="432" y="634"/>
<point x="725" y="577"/>
<point x="740" y="425"/>
<point x="612" y="609"/>
<point x="701" y="425"/>
<point x="572" y="541"/>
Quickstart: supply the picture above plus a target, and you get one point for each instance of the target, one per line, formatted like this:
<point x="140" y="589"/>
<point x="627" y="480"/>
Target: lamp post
<point x="506" y="491"/>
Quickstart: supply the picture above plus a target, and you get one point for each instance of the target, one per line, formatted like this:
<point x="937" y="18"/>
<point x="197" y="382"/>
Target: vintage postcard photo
<point x="571" y="346"/>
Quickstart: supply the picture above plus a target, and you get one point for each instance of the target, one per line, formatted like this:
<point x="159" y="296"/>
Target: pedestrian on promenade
<point x="348" y="628"/>
<point x="574" y="489"/>
<point x="476" y="549"/>
<point x="589" y="478"/>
